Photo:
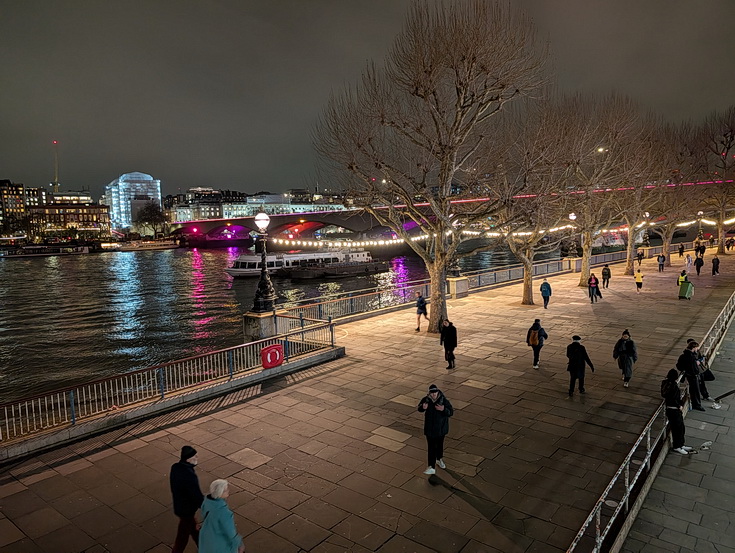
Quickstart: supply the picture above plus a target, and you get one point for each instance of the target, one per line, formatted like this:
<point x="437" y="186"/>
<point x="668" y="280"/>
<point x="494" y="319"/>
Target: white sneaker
<point x="430" y="470"/>
<point x="681" y="451"/>
<point x="687" y="448"/>
<point x="535" y="366"/>
<point x="625" y="384"/>
<point x="441" y="464"/>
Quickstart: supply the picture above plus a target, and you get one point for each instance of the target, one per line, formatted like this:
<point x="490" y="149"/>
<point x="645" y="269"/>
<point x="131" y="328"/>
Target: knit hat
<point x="577" y="338"/>
<point x="433" y="388"/>
<point x="187" y="452"/>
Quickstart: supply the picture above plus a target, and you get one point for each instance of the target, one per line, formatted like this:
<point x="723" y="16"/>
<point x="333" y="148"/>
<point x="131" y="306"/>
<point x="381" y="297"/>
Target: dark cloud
<point x="225" y="93"/>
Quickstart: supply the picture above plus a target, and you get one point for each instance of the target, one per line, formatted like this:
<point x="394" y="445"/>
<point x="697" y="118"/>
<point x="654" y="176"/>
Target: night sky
<point x="224" y="93"/>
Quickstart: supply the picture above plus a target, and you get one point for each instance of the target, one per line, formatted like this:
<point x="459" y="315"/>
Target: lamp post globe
<point x="265" y="294"/>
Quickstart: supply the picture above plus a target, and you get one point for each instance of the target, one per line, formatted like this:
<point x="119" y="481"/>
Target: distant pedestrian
<point x="420" y="310"/>
<point x="546" y="292"/>
<point x="437" y="410"/>
<point x="702" y="250"/>
<point x="686" y="288"/>
<point x="689" y="263"/>
<point x="218" y="533"/>
<point x="578" y="359"/>
<point x="593" y="288"/>
<point x="674" y="407"/>
<point x="606" y="274"/>
<point x="448" y="339"/>
<point x="687" y="363"/>
<point x="661" y="258"/>
<point x="638" y="281"/>
<point x="681" y="250"/>
<point x="187" y="497"/>
<point x="711" y="240"/>
<point x="640" y="257"/>
<point x="715" y="265"/>
<point x="626" y="354"/>
<point x="728" y="243"/>
<point x="698" y="264"/>
<point x="535" y="339"/>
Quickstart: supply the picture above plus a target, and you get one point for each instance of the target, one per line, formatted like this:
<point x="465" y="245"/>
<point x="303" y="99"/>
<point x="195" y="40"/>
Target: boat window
<point x="279" y="263"/>
<point x="270" y="264"/>
<point x="252" y="265"/>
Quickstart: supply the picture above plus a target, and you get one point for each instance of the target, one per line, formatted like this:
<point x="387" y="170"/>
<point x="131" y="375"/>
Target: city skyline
<point x="225" y="95"/>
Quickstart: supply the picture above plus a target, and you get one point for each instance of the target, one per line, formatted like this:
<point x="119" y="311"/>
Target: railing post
<point x="301" y="319"/>
<point x="161" y="383"/>
<point x="319" y="310"/>
<point x="352" y="305"/>
<point x="286" y="348"/>
<point x="627" y="487"/>
<point x="275" y="322"/>
<point x="331" y="331"/>
<point x="71" y="407"/>
<point x="231" y="363"/>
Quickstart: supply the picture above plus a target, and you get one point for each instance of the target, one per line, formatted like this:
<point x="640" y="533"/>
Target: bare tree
<point x="407" y="139"/>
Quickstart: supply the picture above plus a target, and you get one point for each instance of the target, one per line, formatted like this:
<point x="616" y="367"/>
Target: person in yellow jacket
<point x="638" y="281"/>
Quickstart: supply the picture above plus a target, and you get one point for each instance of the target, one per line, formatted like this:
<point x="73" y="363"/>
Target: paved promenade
<point x="691" y="506"/>
<point x="331" y="459"/>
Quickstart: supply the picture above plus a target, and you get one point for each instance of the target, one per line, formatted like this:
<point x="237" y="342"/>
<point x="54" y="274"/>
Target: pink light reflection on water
<point x="198" y="295"/>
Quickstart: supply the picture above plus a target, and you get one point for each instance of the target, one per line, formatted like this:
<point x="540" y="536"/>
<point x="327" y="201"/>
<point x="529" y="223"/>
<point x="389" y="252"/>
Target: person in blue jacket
<point x="546" y="292"/>
<point x="218" y="533"/>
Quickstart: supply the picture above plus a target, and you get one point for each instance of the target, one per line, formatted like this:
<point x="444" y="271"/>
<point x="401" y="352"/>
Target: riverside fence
<point x="609" y="514"/>
<point x="58" y="409"/>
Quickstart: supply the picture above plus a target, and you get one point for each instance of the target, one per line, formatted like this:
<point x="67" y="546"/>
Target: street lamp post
<point x="700" y="236"/>
<point x="646" y="237"/>
<point x="265" y="295"/>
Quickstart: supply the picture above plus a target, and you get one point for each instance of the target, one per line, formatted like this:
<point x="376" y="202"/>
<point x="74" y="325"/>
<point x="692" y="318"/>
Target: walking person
<point x="698" y="264"/>
<point x="661" y="258"/>
<point x="626" y="354"/>
<point x="674" y="408"/>
<point x="187" y="497"/>
<point x="681" y="250"/>
<point x="606" y="274"/>
<point x="420" y="310"/>
<point x="638" y="281"/>
<point x="535" y="339"/>
<point x="687" y="363"/>
<point x="218" y="533"/>
<point x="640" y="257"/>
<point x="546" y="292"/>
<point x="437" y="410"/>
<point x="715" y="265"/>
<point x="448" y="339"/>
<point x="578" y="360"/>
<point x="593" y="288"/>
<point x="688" y="262"/>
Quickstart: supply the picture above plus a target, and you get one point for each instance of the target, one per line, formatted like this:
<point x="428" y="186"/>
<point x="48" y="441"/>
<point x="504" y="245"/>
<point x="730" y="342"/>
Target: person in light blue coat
<point x="218" y="533"/>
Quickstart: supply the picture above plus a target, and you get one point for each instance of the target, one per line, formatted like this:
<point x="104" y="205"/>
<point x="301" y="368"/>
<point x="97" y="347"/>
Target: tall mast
<point x="56" y="167"/>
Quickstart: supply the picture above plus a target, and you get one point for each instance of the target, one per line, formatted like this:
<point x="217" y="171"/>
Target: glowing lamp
<point x="262" y="221"/>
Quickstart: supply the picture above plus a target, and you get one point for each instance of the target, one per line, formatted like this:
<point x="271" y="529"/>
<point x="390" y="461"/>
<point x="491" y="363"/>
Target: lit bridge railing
<point x="54" y="410"/>
<point x="613" y="506"/>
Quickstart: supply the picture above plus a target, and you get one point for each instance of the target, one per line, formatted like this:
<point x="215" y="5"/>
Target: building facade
<point x="71" y="215"/>
<point x="127" y="194"/>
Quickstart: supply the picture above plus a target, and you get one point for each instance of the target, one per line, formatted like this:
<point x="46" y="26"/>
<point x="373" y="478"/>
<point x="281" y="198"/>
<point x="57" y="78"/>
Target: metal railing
<point x="622" y="488"/>
<point x="28" y="416"/>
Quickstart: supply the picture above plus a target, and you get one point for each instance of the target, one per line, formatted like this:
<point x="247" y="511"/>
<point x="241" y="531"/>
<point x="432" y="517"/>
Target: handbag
<point x="708" y="375"/>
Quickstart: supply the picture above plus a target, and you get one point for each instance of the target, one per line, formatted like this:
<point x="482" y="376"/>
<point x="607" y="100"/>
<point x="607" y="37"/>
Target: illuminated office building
<point x="127" y="194"/>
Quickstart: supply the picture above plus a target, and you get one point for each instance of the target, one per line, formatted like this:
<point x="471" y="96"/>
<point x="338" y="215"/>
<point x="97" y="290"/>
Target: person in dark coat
<point x="448" y="339"/>
<point x="420" y="310"/>
<point x="606" y="274"/>
<point x="681" y="250"/>
<point x="687" y="363"/>
<point x="546" y="293"/>
<point x="698" y="264"/>
<point x="674" y="407"/>
<point x="661" y="259"/>
<point x="535" y="339"/>
<point x="701" y="367"/>
<point x="715" y="265"/>
<point x="640" y="257"/>
<point x="626" y="354"/>
<point x="187" y="497"/>
<point x="437" y="410"/>
<point x="578" y="359"/>
<point x="593" y="288"/>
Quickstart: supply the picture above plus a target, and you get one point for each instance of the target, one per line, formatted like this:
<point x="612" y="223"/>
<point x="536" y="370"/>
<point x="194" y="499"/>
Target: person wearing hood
<point x="535" y="339"/>
<point x="437" y="410"/>
<point x="448" y="339"/>
<point x="546" y="293"/>
<point x="626" y="354"/>
<point x="687" y="363"/>
<point x="218" y="533"/>
<point x="187" y="497"/>
<point x="674" y="407"/>
<point x="578" y="360"/>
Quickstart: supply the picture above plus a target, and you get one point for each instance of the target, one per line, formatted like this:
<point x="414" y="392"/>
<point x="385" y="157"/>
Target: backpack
<point x="533" y="338"/>
<point x="666" y="386"/>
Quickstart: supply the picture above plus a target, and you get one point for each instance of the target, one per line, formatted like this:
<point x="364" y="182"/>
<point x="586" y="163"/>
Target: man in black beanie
<point x="437" y="411"/>
<point x="187" y="498"/>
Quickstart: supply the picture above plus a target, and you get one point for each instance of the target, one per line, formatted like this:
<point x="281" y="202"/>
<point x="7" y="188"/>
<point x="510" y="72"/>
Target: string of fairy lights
<point x="295" y="242"/>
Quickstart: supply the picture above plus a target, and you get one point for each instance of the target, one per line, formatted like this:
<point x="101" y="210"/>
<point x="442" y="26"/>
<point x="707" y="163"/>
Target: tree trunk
<point x="721" y="232"/>
<point x="526" y="259"/>
<point x="629" y="250"/>
<point x="667" y="236"/>
<point x="586" y="257"/>
<point x="438" y="304"/>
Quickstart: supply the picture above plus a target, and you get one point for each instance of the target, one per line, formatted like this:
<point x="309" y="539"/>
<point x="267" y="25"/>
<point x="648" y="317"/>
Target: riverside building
<point x="127" y="194"/>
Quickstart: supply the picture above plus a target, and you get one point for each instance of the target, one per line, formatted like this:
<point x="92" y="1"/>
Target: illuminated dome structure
<point x="127" y="194"/>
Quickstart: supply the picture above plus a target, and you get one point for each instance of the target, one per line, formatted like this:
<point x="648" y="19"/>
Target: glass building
<point x="127" y="194"/>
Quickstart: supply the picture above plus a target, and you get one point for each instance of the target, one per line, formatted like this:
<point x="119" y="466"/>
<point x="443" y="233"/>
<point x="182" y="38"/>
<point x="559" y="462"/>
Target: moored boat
<point x="43" y="251"/>
<point x="283" y="263"/>
<point x="147" y="245"/>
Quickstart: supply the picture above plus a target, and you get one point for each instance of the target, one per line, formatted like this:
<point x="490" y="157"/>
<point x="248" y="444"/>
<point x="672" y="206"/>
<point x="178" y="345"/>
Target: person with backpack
<point x="661" y="259"/>
<point x="606" y="274"/>
<point x="687" y="364"/>
<point x="535" y="339"/>
<point x="546" y="292"/>
<point x="578" y="360"/>
<point x="448" y="339"/>
<point x="626" y="354"/>
<point x="674" y="408"/>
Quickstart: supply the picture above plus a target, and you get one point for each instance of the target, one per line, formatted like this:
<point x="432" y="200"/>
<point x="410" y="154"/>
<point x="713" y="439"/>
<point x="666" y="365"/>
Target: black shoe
<point x="418" y="330"/>
<point x="581" y="391"/>
<point x="449" y="367"/>
<point x="700" y="408"/>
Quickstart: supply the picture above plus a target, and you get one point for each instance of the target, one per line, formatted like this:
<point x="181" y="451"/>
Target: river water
<point x="67" y="320"/>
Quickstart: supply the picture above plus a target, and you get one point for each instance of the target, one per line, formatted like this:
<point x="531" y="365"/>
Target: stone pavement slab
<point x="331" y="459"/>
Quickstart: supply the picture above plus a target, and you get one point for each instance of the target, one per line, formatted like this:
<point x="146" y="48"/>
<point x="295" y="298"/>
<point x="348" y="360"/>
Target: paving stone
<point x="9" y="533"/>
<point x="363" y="532"/>
<point x="300" y="531"/>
